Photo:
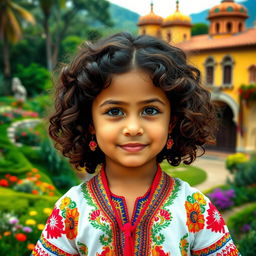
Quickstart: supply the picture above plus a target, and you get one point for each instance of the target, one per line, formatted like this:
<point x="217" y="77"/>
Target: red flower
<point x="23" y="134"/>
<point x="13" y="178"/>
<point x="21" y="237"/>
<point x="54" y="225"/>
<point x="4" y="183"/>
<point x="165" y="214"/>
<point x="34" y="192"/>
<point x="215" y="222"/>
<point x="95" y="214"/>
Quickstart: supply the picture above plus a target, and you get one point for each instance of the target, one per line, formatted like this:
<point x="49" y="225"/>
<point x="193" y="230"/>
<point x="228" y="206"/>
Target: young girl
<point x="125" y="104"/>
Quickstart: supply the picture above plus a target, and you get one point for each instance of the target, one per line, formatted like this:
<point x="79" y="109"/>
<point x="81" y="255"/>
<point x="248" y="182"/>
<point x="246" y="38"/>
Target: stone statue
<point x="20" y="92"/>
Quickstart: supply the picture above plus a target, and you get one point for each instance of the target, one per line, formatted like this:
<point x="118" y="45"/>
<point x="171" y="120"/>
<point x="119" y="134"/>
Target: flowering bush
<point x="28" y="136"/>
<point x="235" y="159"/>
<point x="223" y="199"/>
<point x="18" y="237"/>
<point x="10" y="114"/>
<point x="31" y="184"/>
<point x="248" y="92"/>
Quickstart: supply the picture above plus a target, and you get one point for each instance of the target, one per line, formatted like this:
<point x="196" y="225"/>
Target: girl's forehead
<point x="135" y="85"/>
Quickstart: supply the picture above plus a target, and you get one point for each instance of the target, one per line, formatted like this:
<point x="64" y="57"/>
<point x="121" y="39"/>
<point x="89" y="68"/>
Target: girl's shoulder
<point x="75" y="194"/>
<point x="183" y="189"/>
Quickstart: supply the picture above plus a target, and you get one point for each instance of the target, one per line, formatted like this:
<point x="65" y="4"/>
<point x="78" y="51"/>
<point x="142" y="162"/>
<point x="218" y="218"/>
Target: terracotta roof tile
<point x="205" y="42"/>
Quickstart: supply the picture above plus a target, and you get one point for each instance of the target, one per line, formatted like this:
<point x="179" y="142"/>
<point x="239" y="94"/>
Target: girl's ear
<point x="172" y="124"/>
<point x="91" y="129"/>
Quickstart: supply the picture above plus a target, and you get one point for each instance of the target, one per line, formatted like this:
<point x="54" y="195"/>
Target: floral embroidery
<point x="46" y="246"/>
<point x="71" y="223"/>
<point x="195" y="207"/>
<point x="223" y="247"/>
<point x="215" y="222"/>
<point x="100" y="222"/>
<point x="107" y="251"/>
<point x="64" y="203"/>
<point x="54" y="225"/>
<point x="161" y="220"/>
<point x="199" y="198"/>
<point x="184" y="245"/>
<point x="82" y="248"/>
<point x="195" y="219"/>
<point x="158" y="251"/>
<point x="95" y="215"/>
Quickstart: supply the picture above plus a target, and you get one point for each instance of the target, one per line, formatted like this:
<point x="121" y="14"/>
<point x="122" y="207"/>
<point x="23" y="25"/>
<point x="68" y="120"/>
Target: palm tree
<point x="11" y="16"/>
<point x="47" y="7"/>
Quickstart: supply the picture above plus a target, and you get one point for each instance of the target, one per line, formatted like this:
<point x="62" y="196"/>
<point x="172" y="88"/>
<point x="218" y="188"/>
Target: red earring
<point x="170" y="142"/>
<point x="93" y="144"/>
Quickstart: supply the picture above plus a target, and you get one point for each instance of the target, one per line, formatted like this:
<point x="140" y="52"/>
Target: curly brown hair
<point x="90" y="72"/>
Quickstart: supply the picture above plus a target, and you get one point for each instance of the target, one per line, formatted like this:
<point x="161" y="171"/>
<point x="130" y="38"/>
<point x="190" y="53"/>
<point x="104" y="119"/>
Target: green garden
<point x="36" y="37"/>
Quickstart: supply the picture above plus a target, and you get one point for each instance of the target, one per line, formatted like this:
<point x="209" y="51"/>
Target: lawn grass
<point x="189" y="173"/>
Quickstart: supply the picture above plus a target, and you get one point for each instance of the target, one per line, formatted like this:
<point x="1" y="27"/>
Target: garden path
<point x="214" y="165"/>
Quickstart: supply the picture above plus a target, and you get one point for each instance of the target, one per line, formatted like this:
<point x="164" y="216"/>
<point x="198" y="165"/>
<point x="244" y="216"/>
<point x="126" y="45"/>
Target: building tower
<point x="176" y="28"/>
<point x="227" y="18"/>
<point x="150" y="24"/>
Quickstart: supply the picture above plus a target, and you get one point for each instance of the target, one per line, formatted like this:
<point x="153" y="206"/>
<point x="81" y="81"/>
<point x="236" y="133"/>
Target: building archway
<point x="226" y="135"/>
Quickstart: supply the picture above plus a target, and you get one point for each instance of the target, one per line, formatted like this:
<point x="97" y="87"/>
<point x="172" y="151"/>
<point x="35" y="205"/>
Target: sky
<point x="166" y="7"/>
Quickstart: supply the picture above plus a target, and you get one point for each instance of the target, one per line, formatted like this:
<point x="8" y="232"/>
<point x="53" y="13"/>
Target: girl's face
<point x="131" y="120"/>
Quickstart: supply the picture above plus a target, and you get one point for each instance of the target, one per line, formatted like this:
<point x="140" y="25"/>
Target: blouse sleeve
<point x="211" y="235"/>
<point x="58" y="236"/>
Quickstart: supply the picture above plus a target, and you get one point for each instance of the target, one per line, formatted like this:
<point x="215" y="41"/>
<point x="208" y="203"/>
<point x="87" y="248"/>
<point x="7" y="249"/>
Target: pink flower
<point x="95" y="214"/>
<point x="165" y="214"/>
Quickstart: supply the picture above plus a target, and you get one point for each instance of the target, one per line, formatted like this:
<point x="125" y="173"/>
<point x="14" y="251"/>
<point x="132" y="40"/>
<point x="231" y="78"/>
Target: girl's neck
<point x="130" y="176"/>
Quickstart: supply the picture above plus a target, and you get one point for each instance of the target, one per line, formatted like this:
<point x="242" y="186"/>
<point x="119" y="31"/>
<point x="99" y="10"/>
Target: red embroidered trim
<point x="128" y="228"/>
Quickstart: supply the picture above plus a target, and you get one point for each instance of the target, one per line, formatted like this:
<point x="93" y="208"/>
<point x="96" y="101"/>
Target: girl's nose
<point x="133" y="128"/>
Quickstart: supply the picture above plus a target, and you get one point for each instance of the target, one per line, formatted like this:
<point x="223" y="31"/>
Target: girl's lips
<point x="133" y="147"/>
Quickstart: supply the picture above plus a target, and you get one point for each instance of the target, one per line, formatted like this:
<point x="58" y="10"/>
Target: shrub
<point x="245" y="174"/>
<point x="35" y="78"/>
<point x="40" y="104"/>
<point x="27" y="136"/>
<point x="237" y="222"/>
<point x="234" y="160"/>
<point x="61" y="172"/>
<point x="223" y="199"/>
<point x="247" y="244"/>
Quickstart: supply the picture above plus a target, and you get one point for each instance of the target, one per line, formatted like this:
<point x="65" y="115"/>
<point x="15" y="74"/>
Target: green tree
<point x="11" y="16"/>
<point x="58" y="17"/>
<point x="199" y="29"/>
<point x="47" y="8"/>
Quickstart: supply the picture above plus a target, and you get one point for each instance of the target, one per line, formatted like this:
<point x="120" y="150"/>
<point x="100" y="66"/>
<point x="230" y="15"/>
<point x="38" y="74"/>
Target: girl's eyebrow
<point x="117" y="102"/>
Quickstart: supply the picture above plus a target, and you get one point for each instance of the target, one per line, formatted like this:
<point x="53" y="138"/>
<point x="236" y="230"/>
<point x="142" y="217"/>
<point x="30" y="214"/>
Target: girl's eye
<point x="150" y="111"/>
<point x="114" y="112"/>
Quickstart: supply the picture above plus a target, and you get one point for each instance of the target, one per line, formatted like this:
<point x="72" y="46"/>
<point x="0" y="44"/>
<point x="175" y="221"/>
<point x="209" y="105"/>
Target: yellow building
<point x="226" y="57"/>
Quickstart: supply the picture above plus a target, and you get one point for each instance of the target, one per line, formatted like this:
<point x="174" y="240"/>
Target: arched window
<point x="169" y="37"/>
<point x="217" y="27"/>
<point x="240" y="27"/>
<point x="209" y="71"/>
<point x="229" y="27"/>
<point x="227" y="69"/>
<point x="252" y="74"/>
<point x="158" y="34"/>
